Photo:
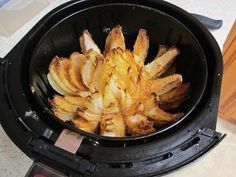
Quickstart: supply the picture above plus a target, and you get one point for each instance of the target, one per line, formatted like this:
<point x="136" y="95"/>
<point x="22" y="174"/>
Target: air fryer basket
<point x="62" y="39"/>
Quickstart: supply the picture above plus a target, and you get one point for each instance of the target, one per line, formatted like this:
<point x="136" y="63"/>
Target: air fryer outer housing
<point x="148" y="156"/>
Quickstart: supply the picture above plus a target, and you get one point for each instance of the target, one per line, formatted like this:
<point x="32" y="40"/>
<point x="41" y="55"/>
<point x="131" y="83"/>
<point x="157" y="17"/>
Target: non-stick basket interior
<point x="63" y="39"/>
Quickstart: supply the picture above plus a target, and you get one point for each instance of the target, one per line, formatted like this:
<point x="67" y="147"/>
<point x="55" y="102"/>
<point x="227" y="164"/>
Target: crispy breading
<point x="54" y="85"/>
<point x="112" y="125"/>
<point x="179" y="92"/>
<point x="56" y="76"/>
<point x="161" y="63"/>
<point x="166" y="84"/>
<point x="63" y="69"/>
<point x="87" y="43"/>
<point x="77" y="61"/>
<point x="116" y="94"/>
<point x="139" y="125"/>
<point x="115" y="39"/>
<point x="162" y="49"/>
<point x="61" y="102"/>
<point x="87" y="126"/>
<point x="62" y="114"/>
<point x="159" y="114"/>
<point x="141" y="45"/>
<point x="88" y="115"/>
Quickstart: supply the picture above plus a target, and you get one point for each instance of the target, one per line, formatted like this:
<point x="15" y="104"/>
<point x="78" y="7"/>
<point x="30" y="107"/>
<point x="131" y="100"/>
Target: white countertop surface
<point x="219" y="162"/>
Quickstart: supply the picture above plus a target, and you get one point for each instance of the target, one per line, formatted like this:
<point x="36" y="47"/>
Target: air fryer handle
<point x="53" y="154"/>
<point x="210" y="23"/>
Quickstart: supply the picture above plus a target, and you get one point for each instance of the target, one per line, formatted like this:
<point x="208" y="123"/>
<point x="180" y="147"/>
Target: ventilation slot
<point x="190" y="144"/>
<point x="41" y="94"/>
<point x="120" y="165"/>
<point x="43" y="79"/>
<point x="42" y="88"/>
<point x="159" y="158"/>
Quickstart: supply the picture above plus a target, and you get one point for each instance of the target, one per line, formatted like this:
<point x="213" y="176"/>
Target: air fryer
<point x="29" y="122"/>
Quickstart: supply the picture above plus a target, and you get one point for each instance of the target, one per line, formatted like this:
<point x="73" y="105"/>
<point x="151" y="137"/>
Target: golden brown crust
<point x="166" y="84"/>
<point x="141" y="45"/>
<point x="115" y="94"/>
<point x="87" y="126"/>
<point x="157" y="113"/>
<point x="112" y="125"/>
<point x="115" y="39"/>
<point x="56" y="76"/>
<point x="176" y="94"/>
<point x="162" y="49"/>
<point x="162" y="62"/>
<point x="139" y="125"/>
<point x="87" y="43"/>
<point x="77" y="61"/>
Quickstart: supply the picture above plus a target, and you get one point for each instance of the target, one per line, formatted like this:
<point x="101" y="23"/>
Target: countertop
<point x="219" y="162"/>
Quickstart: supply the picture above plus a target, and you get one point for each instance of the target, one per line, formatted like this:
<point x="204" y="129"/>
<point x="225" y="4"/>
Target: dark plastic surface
<point x="112" y="156"/>
<point x="210" y="23"/>
<point x="141" y="160"/>
<point x="67" y="159"/>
